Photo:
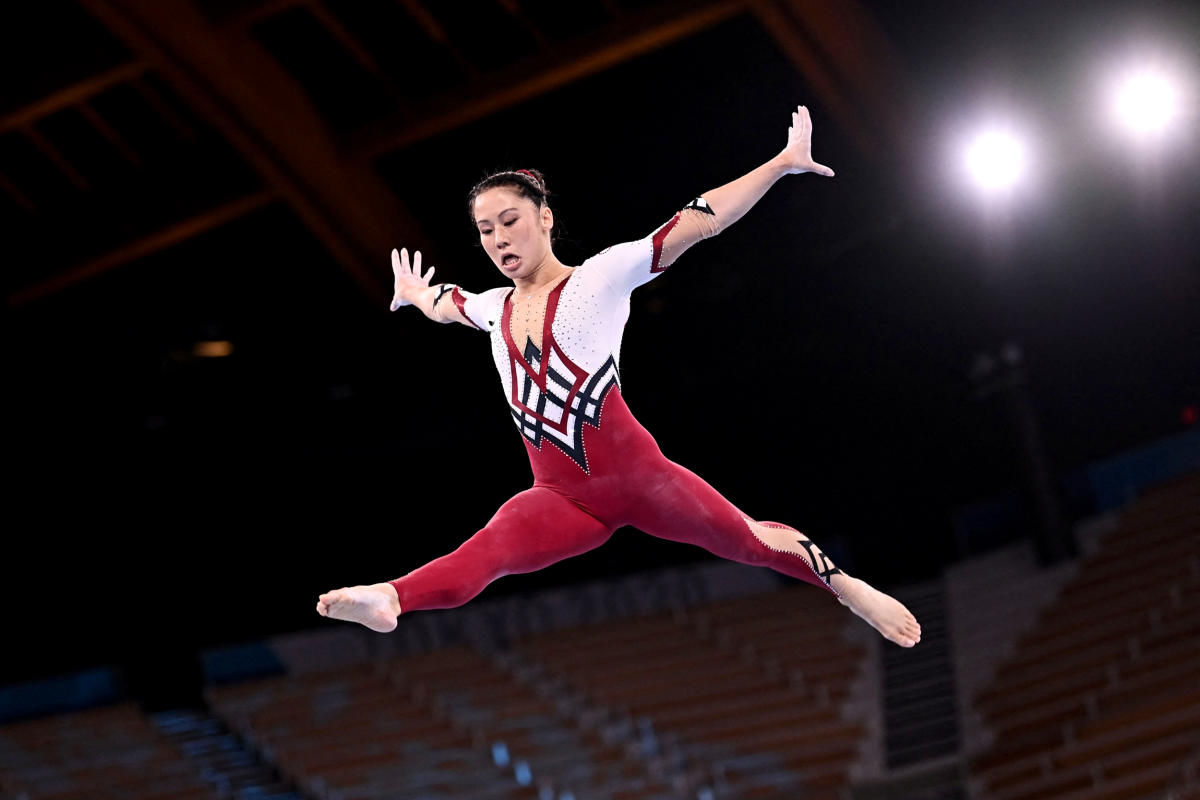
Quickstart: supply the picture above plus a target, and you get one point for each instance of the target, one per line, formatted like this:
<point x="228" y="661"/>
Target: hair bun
<point x="535" y="177"/>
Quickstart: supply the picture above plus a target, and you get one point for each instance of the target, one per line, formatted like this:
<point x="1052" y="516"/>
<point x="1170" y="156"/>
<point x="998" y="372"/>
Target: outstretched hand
<point x="797" y="155"/>
<point x="408" y="277"/>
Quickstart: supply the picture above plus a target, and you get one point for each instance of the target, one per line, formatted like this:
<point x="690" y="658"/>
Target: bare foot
<point x="375" y="606"/>
<point x="883" y="612"/>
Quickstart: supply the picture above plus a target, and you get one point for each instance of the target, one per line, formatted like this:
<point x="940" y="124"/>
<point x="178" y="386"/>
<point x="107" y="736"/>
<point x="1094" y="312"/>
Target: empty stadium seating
<point x="740" y="698"/>
<point x="113" y="752"/>
<point x="356" y="734"/>
<point x="747" y="697"/>
<point x="1102" y="698"/>
<point x="748" y="690"/>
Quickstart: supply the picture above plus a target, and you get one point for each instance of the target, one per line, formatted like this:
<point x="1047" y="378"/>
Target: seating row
<point x="1102" y="699"/>
<point x="109" y="752"/>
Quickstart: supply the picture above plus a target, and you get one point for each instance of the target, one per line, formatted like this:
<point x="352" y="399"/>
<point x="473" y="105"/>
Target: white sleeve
<point x="628" y="265"/>
<point x="481" y="310"/>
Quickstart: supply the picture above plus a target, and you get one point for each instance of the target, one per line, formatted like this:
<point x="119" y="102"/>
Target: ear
<point x="547" y="218"/>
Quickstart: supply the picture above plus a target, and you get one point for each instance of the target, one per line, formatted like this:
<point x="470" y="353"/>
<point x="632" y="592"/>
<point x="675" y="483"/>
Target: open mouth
<point x="511" y="261"/>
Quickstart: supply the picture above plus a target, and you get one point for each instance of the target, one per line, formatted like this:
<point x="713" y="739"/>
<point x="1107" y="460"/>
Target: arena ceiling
<point x="136" y="128"/>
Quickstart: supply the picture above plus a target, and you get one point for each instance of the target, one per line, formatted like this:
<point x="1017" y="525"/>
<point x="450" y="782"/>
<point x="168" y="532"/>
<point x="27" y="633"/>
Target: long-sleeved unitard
<point x="595" y="467"/>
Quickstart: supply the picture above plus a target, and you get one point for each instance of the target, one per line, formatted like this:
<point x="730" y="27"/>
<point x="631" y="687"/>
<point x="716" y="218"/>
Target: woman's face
<point x="514" y="232"/>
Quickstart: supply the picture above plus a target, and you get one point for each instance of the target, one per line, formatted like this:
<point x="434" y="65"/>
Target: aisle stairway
<point x="358" y="734"/>
<point x="221" y="758"/>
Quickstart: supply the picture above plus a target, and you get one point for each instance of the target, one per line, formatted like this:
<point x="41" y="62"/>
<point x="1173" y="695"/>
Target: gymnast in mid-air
<point x="556" y="339"/>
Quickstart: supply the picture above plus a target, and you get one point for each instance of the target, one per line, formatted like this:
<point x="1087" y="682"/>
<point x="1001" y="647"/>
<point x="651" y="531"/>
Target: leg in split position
<point x="533" y="530"/>
<point x="685" y="508"/>
<point x="540" y="526"/>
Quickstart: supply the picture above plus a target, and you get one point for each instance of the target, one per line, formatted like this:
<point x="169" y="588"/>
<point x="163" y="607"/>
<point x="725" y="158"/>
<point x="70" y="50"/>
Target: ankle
<point x="844" y="585"/>
<point x="389" y="591"/>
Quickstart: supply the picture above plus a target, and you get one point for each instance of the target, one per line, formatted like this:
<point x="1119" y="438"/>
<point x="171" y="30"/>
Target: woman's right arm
<point x="441" y="302"/>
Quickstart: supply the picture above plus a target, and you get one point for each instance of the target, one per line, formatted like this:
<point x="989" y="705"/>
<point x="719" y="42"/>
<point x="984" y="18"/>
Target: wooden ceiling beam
<point x="864" y="55"/>
<point x="246" y="17"/>
<point x="71" y="95"/>
<point x="346" y="39"/>
<point x="816" y="71"/>
<point x="229" y="81"/>
<point x="437" y="34"/>
<point x="849" y="62"/>
<point x="514" y="10"/>
<point x="630" y="36"/>
<point x="52" y="154"/>
<point x="168" y="114"/>
<point x="159" y="240"/>
<point x="108" y="132"/>
<point x="14" y="191"/>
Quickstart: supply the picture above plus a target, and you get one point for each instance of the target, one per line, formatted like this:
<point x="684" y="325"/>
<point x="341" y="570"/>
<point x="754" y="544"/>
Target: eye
<point x="482" y="232"/>
<point x="510" y="222"/>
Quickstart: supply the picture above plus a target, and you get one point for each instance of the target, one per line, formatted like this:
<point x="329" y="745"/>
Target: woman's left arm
<point x="731" y="201"/>
<point x="715" y="210"/>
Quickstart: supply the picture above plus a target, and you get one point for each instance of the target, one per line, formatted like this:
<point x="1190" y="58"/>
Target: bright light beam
<point x="996" y="160"/>
<point x="1145" y="102"/>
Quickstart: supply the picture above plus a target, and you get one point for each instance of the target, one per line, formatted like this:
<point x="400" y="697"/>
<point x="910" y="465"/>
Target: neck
<point x="545" y="273"/>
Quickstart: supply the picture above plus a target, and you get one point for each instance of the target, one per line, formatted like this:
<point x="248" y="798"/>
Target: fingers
<point x="801" y="127"/>
<point x="413" y="269"/>
<point x="799" y="136"/>
<point x="400" y="264"/>
<point x="396" y="272"/>
<point x="801" y="130"/>
<point x="416" y="269"/>
<point x="406" y="274"/>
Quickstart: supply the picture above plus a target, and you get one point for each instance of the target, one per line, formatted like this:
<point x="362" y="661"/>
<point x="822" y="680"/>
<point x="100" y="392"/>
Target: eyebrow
<point x="505" y="211"/>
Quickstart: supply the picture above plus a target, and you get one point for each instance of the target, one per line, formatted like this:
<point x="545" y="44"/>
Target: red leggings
<point x="568" y="512"/>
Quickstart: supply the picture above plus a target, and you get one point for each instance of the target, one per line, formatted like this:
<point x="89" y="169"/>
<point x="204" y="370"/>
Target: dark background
<point x="811" y="362"/>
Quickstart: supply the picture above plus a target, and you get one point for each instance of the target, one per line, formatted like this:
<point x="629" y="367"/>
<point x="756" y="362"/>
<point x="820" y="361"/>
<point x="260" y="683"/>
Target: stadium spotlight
<point x="1145" y="101"/>
<point x="996" y="159"/>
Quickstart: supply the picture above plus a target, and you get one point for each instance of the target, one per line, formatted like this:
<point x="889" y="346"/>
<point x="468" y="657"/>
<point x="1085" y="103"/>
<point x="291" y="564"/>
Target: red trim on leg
<point x="820" y="580"/>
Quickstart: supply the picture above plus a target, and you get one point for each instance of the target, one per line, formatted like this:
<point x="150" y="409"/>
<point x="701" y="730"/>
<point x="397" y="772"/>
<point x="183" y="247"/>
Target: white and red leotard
<point x="595" y="467"/>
